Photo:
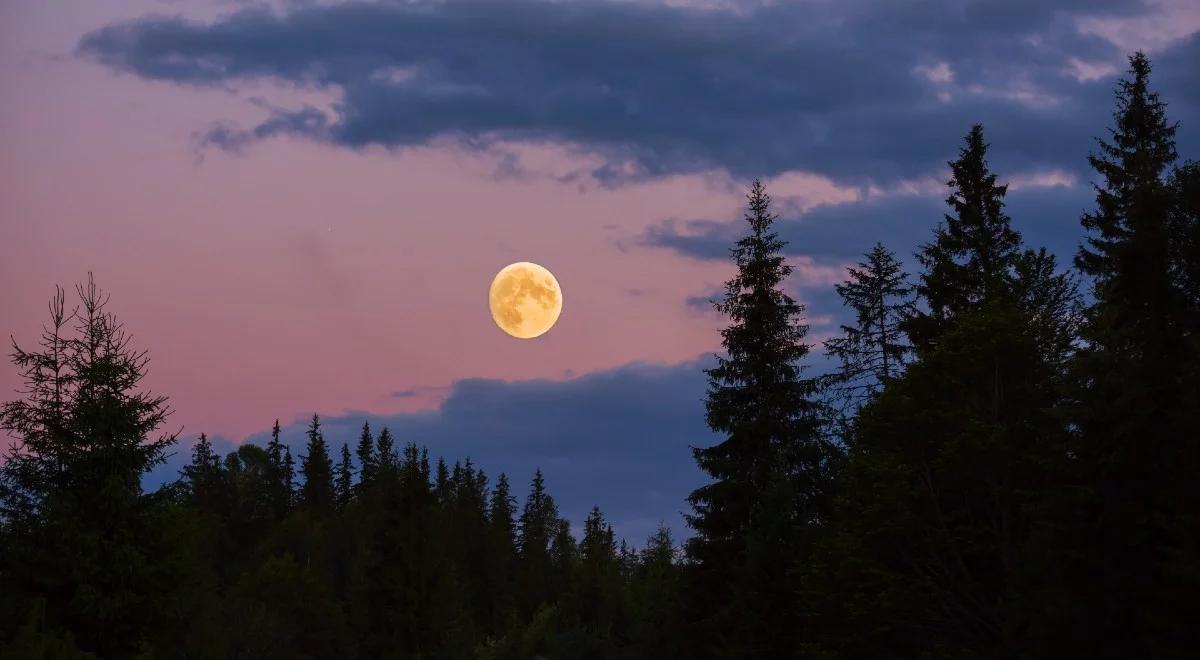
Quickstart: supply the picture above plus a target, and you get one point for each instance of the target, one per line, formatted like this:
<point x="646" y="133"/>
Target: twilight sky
<point x="298" y="206"/>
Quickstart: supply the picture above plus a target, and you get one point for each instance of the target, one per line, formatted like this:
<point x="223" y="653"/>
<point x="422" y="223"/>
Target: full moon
<point x="525" y="300"/>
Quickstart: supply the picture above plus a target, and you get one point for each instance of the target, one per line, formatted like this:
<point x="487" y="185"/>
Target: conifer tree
<point x="289" y="476"/>
<point x="873" y="351"/>
<point x="536" y="526"/>
<point x="972" y="256"/>
<point x="770" y="472"/>
<point x="280" y="496"/>
<point x="564" y="559"/>
<point x="385" y="453"/>
<point x="441" y="482"/>
<point x="317" y="492"/>
<point x="1138" y="450"/>
<point x="367" y="458"/>
<point x="75" y="527"/>
<point x="599" y="584"/>
<point x="500" y="557"/>
<point x="656" y="592"/>
<point x="204" y="477"/>
<point x="949" y="465"/>
<point x="344" y="479"/>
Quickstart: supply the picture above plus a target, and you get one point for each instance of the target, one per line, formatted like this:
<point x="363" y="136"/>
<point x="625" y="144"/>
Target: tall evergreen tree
<point x="204" y="476"/>
<point x="599" y="586"/>
<point x="280" y="496"/>
<point x="873" y="351"/>
<point x="972" y="256"/>
<point x="770" y="472"/>
<point x="317" y="492"/>
<point x="564" y="560"/>
<point x="385" y="453"/>
<point x="344" y="479"/>
<point x="1138" y="450"/>
<point x="949" y="464"/>
<point x="289" y="476"/>
<point x="441" y="482"/>
<point x="656" y="591"/>
<point x="76" y="530"/>
<point x="500" y="557"/>
<point x="536" y="527"/>
<point x="367" y="458"/>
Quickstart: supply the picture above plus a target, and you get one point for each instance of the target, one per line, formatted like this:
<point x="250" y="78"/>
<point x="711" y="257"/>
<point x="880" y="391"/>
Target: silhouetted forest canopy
<point x="1003" y="466"/>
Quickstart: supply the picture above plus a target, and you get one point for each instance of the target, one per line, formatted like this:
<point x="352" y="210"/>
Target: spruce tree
<point x="972" y="256"/>
<point x="770" y="472"/>
<point x="441" y="482"/>
<point x="367" y="458"/>
<point x="280" y="487"/>
<point x="598" y="586"/>
<point x="656" y="592"/>
<point x="76" y="528"/>
<point x="204" y="477"/>
<point x="1138" y="450"/>
<point x="317" y="492"/>
<point x="385" y="453"/>
<point x="564" y="560"/>
<point x="949" y="470"/>
<point x="289" y="476"/>
<point x="874" y="349"/>
<point x="536" y="526"/>
<point x="501" y="556"/>
<point x="344" y="479"/>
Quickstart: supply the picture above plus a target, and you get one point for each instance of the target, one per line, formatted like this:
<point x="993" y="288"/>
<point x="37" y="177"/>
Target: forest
<point x="1004" y="465"/>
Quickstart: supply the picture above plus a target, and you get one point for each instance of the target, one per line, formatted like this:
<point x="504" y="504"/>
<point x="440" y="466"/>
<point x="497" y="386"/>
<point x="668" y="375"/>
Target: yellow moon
<point x="525" y="300"/>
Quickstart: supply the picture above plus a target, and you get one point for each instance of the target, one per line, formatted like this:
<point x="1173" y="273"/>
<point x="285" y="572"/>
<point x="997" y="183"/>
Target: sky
<point x="298" y="206"/>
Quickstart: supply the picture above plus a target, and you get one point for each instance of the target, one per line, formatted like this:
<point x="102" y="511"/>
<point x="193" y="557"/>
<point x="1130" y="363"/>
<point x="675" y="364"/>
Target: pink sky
<point x="298" y="277"/>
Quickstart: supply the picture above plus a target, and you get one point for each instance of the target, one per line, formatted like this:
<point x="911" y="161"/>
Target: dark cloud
<point x="703" y="303"/>
<point x="831" y="87"/>
<point x="618" y="439"/>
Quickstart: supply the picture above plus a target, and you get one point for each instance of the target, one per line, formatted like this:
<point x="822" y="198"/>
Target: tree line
<point x="1003" y="465"/>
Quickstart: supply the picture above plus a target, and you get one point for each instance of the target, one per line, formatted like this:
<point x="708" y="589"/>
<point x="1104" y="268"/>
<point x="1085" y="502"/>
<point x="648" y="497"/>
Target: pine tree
<point x="873" y="351"/>
<point x="770" y="473"/>
<point x="1138" y="450"/>
<point x="971" y="259"/>
<point x="367" y="458"/>
<point x="344" y="479"/>
<point x="317" y="492"/>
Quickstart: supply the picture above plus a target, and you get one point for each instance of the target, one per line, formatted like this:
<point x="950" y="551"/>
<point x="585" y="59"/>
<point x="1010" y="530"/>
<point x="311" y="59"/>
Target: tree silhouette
<point x="317" y="493"/>
<point x="873" y="351"/>
<point x="770" y="472"/>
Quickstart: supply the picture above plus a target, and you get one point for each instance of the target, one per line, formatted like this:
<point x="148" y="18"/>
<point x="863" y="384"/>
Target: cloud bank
<point x="859" y="91"/>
